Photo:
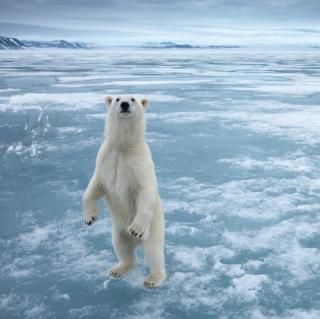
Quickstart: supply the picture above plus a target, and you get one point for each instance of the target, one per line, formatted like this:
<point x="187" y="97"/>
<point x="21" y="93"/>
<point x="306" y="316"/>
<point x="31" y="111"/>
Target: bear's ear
<point x="144" y="102"/>
<point x="109" y="100"/>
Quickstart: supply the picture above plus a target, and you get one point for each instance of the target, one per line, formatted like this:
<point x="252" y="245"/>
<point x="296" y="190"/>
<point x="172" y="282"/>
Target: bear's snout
<point x="125" y="107"/>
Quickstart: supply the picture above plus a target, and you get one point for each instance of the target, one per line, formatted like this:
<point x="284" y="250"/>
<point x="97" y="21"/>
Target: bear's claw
<point x="121" y="269"/>
<point x="154" y="280"/>
<point x="91" y="216"/>
<point x="90" y="222"/>
<point x="136" y="230"/>
<point x="114" y="274"/>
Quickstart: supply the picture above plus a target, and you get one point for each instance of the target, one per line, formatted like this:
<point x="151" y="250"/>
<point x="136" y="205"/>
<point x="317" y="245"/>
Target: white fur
<point x="125" y="176"/>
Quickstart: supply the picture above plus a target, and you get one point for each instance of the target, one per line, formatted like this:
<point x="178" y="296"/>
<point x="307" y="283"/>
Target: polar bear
<point x="125" y="176"/>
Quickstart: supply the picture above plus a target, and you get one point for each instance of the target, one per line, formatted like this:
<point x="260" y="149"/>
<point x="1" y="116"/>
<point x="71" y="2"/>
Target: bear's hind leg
<point x="154" y="255"/>
<point x="124" y="246"/>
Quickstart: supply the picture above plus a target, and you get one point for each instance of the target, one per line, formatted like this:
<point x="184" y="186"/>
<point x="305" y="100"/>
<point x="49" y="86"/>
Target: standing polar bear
<point x="125" y="176"/>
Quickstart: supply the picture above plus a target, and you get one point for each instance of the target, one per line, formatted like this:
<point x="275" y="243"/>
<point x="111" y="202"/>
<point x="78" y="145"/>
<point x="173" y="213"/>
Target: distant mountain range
<point x="7" y="43"/>
<point x="56" y="44"/>
<point x="10" y="43"/>
<point x="13" y="43"/>
<point x="166" y="45"/>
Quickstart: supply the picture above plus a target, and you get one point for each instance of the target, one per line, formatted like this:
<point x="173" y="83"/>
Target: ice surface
<point x="235" y="137"/>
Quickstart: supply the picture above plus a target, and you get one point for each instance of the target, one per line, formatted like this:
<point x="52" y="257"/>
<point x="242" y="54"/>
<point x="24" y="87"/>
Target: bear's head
<point x="126" y="108"/>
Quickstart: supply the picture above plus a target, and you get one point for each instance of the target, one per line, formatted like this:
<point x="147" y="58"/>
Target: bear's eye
<point x="117" y="99"/>
<point x="132" y="99"/>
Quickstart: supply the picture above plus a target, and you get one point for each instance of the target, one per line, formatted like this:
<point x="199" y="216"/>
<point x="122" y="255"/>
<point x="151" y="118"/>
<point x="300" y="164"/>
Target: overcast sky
<point x="183" y="21"/>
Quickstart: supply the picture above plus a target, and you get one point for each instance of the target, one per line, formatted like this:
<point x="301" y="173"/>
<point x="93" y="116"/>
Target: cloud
<point x="119" y="21"/>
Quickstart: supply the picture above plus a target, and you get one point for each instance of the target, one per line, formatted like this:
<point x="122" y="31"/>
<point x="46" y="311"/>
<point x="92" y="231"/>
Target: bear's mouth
<point x="127" y="111"/>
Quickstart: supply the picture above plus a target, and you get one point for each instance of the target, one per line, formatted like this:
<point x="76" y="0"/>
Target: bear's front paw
<point x="138" y="230"/>
<point x="90" y="216"/>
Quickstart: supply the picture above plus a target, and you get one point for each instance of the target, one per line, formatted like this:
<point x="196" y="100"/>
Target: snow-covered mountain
<point x="13" y="43"/>
<point x="168" y="44"/>
<point x="56" y="44"/>
<point x="224" y="46"/>
<point x="10" y="43"/>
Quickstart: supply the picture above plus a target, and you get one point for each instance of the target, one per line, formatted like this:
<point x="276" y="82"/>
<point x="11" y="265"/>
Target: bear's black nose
<point x="124" y="106"/>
